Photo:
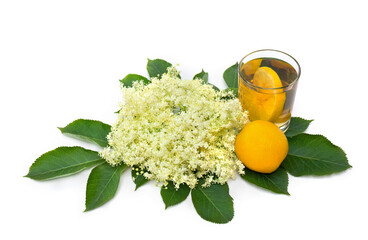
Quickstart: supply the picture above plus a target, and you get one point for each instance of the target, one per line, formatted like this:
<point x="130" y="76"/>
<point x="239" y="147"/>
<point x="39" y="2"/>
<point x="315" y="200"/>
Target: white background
<point x="61" y="60"/>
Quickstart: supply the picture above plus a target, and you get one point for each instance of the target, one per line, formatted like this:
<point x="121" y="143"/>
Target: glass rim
<point x="262" y="88"/>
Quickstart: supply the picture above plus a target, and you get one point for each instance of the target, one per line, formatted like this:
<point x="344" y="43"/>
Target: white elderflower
<point x="177" y="130"/>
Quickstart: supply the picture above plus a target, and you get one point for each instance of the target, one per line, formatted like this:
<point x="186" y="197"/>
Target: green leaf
<point x="157" y="67"/>
<point x="214" y="87"/>
<point x="89" y="130"/>
<point x="314" y="155"/>
<point x="213" y="203"/>
<point x="130" y="78"/>
<point x="202" y="75"/>
<point x="138" y="177"/>
<point x="172" y="196"/>
<point x="276" y="182"/>
<point x="234" y="90"/>
<point x="103" y="181"/>
<point x="63" y="161"/>
<point x="297" y="125"/>
<point x="231" y="76"/>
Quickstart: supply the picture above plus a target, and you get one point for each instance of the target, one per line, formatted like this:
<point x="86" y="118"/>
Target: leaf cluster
<point x="308" y="155"/>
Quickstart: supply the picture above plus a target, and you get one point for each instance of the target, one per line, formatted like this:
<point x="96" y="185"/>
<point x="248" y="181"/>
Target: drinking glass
<point x="268" y="81"/>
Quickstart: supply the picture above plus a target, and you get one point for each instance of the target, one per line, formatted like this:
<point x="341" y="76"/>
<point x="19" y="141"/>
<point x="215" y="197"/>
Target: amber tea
<point x="267" y="88"/>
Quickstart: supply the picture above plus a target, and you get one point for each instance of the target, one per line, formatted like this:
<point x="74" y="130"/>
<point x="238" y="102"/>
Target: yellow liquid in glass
<point x="264" y="90"/>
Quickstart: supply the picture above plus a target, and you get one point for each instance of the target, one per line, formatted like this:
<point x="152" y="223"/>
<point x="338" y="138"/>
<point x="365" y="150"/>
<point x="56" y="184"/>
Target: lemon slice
<point x="268" y="103"/>
<point x="251" y="67"/>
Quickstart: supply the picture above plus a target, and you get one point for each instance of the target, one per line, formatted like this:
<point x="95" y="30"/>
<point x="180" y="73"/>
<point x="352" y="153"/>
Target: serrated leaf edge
<point x="280" y="192"/>
<point x="329" y="142"/>
<point x="82" y="137"/>
<point x="232" y="203"/>
<point x="332" y="145"/>
<point x="223" y="75"/>
<point x="117" y="168"/>
<point x="28" y="176"/>
<point x="309" y="122"/>
<point x="158" y="70"/>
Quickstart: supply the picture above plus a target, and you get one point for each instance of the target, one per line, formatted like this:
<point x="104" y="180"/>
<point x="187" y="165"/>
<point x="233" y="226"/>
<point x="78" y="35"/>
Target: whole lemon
<point x="261" y="146"/>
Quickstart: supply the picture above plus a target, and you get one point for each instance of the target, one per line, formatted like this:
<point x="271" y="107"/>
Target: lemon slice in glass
<point x="267" y="102"/>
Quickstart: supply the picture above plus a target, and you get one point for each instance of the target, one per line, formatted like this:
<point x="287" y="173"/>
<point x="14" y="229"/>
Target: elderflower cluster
<point x="177" y="130"/>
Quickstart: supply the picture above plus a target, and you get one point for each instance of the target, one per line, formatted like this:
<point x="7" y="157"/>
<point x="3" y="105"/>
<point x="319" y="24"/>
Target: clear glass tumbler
<point x="268" y="81"/>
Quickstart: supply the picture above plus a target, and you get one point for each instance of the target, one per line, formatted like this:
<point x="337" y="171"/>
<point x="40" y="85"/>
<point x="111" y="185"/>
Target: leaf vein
<point x="213" y="204"/>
